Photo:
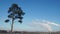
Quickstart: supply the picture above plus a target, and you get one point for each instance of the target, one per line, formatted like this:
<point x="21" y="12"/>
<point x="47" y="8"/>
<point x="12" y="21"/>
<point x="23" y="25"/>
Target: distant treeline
<point x="3" y="31"/>
<point x="23" y="32"/>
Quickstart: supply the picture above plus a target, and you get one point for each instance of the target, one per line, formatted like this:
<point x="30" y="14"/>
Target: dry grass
<point x="32" y="33"/>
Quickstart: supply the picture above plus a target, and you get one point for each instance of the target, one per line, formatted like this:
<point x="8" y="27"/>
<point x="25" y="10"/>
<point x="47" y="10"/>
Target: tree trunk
<point x="12" y="25"/>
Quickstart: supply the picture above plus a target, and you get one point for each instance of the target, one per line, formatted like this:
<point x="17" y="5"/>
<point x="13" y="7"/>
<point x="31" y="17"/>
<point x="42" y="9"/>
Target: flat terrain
<point x="23" y="32"/>
<point x="32" y="33"/>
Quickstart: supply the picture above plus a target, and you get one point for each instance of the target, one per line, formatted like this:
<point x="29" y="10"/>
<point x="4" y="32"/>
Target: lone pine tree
<point x="15" y="12"/>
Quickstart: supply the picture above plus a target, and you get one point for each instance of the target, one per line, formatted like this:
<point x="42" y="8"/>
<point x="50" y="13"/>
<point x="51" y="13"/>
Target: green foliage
<point x="15" y="12"/>
<point x="7" y="20"/>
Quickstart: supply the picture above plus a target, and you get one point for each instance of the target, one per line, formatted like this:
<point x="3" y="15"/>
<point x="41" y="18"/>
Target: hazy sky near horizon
<point x="41" y="15"/>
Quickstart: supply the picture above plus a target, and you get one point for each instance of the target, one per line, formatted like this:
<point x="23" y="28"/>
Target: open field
<point x="31" y="33"/>
<point x="24" y="32"/>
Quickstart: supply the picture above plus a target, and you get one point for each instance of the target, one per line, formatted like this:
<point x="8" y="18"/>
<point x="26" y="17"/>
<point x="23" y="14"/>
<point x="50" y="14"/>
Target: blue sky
<point x="36" y="10"/>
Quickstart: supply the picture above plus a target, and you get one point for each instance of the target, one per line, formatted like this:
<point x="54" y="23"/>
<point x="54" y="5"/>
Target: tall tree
<point x="15" y="12"/>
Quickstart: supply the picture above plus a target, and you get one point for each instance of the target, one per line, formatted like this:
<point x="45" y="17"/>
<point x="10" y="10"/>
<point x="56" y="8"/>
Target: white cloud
<point x="44" y="24"/>
<point x="51" y="23"/>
